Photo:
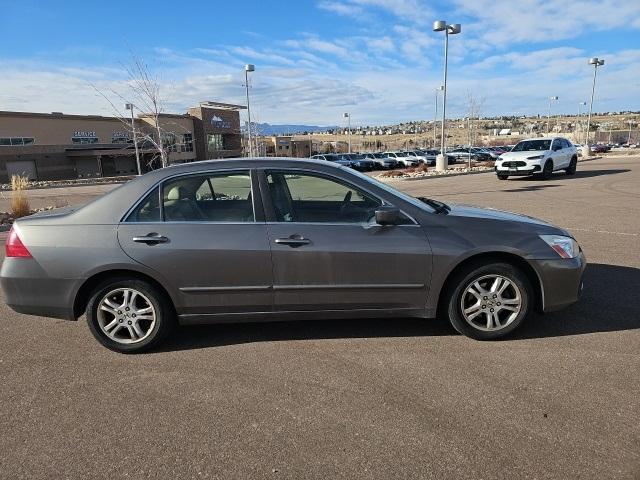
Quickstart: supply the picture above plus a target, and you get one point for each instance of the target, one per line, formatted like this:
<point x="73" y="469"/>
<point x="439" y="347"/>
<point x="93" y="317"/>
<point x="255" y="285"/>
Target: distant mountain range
<point x="268" y="129"/>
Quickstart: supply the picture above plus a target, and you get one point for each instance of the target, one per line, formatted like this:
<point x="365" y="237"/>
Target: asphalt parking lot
<point x="356" y="399"/>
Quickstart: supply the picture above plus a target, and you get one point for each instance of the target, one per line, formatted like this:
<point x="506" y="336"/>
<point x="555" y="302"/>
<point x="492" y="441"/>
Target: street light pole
<point x="580" y="105"/>
<point x="348" y="117"/>
<point x="453" y="29"/>
<point x="596" y="62"/>
<point x="549" y="116"/>
<point x="435" y="118"/>
<point x="129" y="106"/>
<point x="629" y="137"/>
<point x="248" y="68"/>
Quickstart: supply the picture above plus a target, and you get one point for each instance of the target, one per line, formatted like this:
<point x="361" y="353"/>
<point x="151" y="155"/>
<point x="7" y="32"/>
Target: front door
<point x="200" y="233"/>
<point x="328" y="253"/>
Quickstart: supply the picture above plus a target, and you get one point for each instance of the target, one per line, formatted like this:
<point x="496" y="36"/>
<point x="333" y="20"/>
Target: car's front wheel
<point x="503" y="177"/>
<point x="547" y="170"/>
<point x="129" y="315"/>
<point x="489" y="301"/>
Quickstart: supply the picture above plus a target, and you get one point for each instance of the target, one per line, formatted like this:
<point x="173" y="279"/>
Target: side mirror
<point x="387" y="216"/>
<point x="557" y="147"/>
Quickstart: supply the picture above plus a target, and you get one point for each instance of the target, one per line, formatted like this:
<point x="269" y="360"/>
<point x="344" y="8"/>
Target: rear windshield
<point x="532" y="145"/>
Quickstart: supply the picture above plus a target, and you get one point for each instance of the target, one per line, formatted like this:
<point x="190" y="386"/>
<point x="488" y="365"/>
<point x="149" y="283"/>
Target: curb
<point x="589" y="159"/>
<point x="429" y="177"/>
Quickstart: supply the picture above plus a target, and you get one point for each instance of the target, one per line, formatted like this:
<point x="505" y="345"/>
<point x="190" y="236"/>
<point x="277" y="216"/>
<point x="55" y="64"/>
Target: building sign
<point x="218" y="122"/>
<point x="118" y="134"/>
<point x="84" y="134"/>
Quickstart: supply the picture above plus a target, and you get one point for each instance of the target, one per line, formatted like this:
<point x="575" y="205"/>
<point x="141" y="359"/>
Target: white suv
<point x="540" y="156"/>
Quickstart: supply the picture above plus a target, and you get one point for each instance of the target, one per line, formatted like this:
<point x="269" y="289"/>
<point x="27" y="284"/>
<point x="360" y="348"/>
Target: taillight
<point x="14" y="246"/>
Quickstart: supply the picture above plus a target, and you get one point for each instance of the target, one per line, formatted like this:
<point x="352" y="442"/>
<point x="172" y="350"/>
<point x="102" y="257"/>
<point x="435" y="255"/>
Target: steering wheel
<point x="345" y="203"/>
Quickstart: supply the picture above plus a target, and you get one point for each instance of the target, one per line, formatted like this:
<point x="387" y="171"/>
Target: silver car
<point x="271" y="239"/>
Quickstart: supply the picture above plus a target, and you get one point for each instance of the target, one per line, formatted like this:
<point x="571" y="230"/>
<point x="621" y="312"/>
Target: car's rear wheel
<point x="571" y="169"/>
<point x="489" y="301"/>
<point x="547" y="170"/>
<point x="503" y="177"/>
<point x="129" y="315"/>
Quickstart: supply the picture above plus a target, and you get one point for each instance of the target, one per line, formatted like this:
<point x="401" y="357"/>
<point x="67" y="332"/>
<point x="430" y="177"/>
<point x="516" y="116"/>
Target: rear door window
<point x="222" y="197"/>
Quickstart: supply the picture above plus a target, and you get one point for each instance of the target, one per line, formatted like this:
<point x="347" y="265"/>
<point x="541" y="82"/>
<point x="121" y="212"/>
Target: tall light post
<point x="248" y="68"/>
<point x="580" y="105"/>
<point x="596" y="62"/>
<point x="453" y="29"/>
<point x="129" y="106"/>
<point x="435" y="118"/>
<point x="629" y="137"/>
<point x="348" y="117"/>
<point x="551" y="99"/>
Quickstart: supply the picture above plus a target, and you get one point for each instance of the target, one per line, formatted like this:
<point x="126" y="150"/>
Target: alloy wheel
<point x="491" y="303"/>
<point x="126" y="315"/>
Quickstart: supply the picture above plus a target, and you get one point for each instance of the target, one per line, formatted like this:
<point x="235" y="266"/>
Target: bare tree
<point x="474" y="106"/>
<point x="144" y="93"/>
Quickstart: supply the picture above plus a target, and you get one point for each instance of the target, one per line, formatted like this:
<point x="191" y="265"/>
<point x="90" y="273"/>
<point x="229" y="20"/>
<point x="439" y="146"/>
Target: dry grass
<point x="19" y="202"/>
<point x="391" y="174"/>
<point x="420" y="168"/>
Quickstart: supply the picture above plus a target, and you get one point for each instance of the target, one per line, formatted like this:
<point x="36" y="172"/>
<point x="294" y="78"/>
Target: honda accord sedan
<point x="273" y="239"/>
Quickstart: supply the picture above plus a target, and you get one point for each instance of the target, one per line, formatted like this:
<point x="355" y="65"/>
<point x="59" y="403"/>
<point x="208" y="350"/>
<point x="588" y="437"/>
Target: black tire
<point x="468" y="276"/>
<point x="165" y="318"/>
<point x="571" y="169"/>
<point x="547" y="170"/>
<point x="503" y="177"/>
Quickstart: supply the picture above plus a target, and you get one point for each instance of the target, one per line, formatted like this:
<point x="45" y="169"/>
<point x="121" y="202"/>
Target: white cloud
<point x="341" y="8"/>
<point x="505" y="22"/>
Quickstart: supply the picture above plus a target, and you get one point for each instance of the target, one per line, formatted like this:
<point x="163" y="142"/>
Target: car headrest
<point x="176" y="193"/>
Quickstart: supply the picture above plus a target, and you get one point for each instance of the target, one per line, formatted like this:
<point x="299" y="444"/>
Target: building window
<point x="169" y="142"/>
<point x="15" y="141"/>
<point x="215" y="142"/>
<point x="187" y="142"/>
<point x="83" y="140"/>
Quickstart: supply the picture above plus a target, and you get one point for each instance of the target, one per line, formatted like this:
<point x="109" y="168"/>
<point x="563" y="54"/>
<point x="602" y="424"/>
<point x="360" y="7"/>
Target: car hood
<point x="470" y="211"/>
<point x="521" y="155"/>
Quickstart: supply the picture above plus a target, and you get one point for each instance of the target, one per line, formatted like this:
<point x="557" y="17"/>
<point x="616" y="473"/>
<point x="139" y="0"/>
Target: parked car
<point x="403" y="159"/>
<point x="430" y="156"/>
<point x="417" y="155"/>
<point x="541" y="156"/>
<point x="600" y="148"/>
<point x="486" y="154"/>
<point x="270" y="239"/>
<point x="462" y="154"/>
<point x="333" y="157"/>
<point x="359" y="162"/>
<point x="382" y="160"/>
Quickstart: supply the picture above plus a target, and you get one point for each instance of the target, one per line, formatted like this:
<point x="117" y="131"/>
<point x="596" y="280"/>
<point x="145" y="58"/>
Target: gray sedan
<point x="271" y="239"/>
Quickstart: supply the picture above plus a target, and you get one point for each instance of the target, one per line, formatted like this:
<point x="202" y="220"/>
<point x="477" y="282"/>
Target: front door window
<point x="304" y="197"/>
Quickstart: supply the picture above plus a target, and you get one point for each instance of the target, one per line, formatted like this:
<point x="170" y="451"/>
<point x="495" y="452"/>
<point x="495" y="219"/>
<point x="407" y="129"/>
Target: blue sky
<point x="316" y="59"/>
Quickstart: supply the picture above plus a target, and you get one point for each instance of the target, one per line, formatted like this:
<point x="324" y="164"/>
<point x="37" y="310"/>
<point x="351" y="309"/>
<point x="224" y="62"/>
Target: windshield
<point x="532" y="145"/>
<point x="407" y="198"/>
<point x="401" y="154"/>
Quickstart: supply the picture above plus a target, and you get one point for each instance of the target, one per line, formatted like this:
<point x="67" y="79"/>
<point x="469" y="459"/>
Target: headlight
<point x="566" y="247"/>
<point x="535" y="157"/>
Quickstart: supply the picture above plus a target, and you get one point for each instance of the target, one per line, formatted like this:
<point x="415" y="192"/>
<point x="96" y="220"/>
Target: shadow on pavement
<point x="579" y="174"/>
<point x="610" y="302"/>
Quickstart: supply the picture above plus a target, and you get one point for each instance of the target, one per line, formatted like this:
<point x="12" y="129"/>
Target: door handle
<point x="293" y="241"/>
<point x="151" y="239"/>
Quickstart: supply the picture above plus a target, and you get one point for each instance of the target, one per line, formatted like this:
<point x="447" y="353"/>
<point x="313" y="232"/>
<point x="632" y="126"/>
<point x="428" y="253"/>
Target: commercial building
<point x="55" y="146"/>
<point x="287" y="146"/>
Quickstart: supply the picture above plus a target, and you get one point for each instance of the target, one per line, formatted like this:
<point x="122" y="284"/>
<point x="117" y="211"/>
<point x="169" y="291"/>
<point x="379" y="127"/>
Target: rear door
<point x="328" y="253"/>
<point x="205" y="235"/>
